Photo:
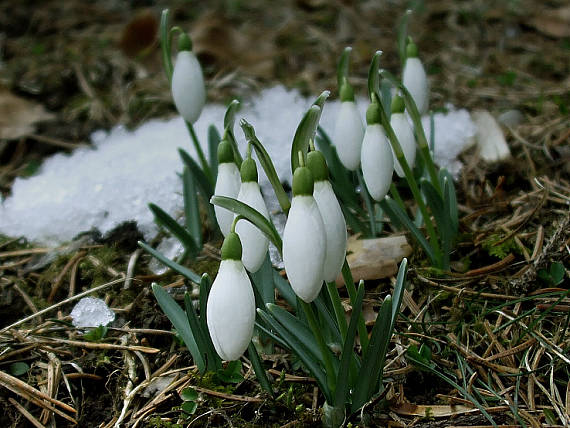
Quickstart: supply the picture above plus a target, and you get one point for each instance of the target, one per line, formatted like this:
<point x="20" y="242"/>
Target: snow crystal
<point x="114" y="181"/>
<point x="91" y="312"/>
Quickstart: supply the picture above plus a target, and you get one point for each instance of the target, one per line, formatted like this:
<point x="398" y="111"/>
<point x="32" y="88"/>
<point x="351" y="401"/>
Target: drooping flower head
<point x="230" y="309"/>
<point x="415" y="79"/>
<point x="188" y="89"/>
<point x="377" y="159"/>
<point x="404" y="133"/>
<point x="304" y="239"/>
<point x="227" y="184"/>
<point x="349" y="130"/>
<point x="255" y="243"/>
<point x="331" y="213"/>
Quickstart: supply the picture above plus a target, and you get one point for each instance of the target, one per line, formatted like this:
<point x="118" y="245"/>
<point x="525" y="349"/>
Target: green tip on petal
<point x="231" y="248"/>
<point x="318" y="165"/>
<point x="411" y="49"/>
<point x="373" y="114"/>
<point x="248" y="171"/>
<point x="184" y="43"/>
<point x="398" y="105"/>
<point x="346" y="91"/>
<point x="225" y="152"/>
<point x="303" y="183"/>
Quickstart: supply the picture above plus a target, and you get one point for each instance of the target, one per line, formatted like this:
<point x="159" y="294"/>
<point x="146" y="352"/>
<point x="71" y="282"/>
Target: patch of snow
<point x="91" y="312"/>
<point x="114" y="181"/>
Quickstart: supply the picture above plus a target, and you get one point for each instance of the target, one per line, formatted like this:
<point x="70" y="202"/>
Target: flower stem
<point x="349" y="283"/>
<point x="338" y="309"/>
<point x="369" y="204"/>
<point x="325" y="351"/>
<point x="200" y="152"/>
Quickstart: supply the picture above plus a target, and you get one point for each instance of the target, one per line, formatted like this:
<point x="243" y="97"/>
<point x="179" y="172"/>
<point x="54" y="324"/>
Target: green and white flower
<point x="377" y="159"/>
<point x="415" y="79"/>
<point x="331" y="213"/>
<point x="304" y="239"/>
<point x="227" y="184"/>
<point x="188" y="89"/>
<point x="230" y="309"/>
<point x="349" y="130"/>
<point x="404" y="133"/>
<point x="255" y="243"/>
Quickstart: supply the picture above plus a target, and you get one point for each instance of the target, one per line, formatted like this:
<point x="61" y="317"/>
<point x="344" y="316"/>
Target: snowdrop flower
<point x="230" y="309"/>
<point x="227" y="184"/>
<point x="255" y="243"/>
<point x="404" y="133"/>
<point x="188" y="88"/>
<point x="348" y="131"/>
<point x="377" y="159"/>
<point x="415" y="79"/>
<point x="304" y="239"/>
<point x="333" y="219"/>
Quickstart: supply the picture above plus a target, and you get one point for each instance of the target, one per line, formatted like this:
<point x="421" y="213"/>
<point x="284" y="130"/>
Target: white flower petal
<point x="415" y="80"/>
<point x="227" y="184"/>
<point x="377" y="161"/>
<point x="348" y="134"/>
<point x="335" y="229"/>
<point x="231" y="310"/>
<point x="188" y="90"/>
<point x="254" y="242"/>
<point x="304" y="246"/>
<point x="405" y="135"/>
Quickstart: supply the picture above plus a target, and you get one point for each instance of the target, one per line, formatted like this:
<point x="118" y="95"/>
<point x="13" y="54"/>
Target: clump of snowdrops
<point x="240" y="303"/>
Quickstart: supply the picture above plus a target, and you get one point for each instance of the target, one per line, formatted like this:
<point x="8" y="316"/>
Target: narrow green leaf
<point x="165" y="44"/>
<point x="394" y="211"/>
<point x="179" y="320"/>
<point x="191" y="207"/>
<point x="449" y="199"/>
<point x="373" y="76"/>
<point x="304" y="133"/>
<point x="205" y="285"/>
<point x="297" y="347"/>
<point x="213" y="141"/>
<point x="399" y="288"/>
<point x="263" y="281"/>
<point x="444" y="223"/>
<point x="204" y="184"/>
<point x="403" y="36"/>
<point x="164" y="220"/>
<point x="349" y="284"/>
<point x="386" y="97"/>
<point x="342" y="384"/>
<point x="260" y="372"/>
<point x="251" y="215"/>
<point x="342" y="67"/>
<point x="267" y="165"/>
<point x="285" y="289"/>
<point x="201" y="336"/>
<point x="327" y="317"/>
<point x="229" y="122"/>
<point x="301" y="330"/>
<point x="337" y="307"/>
<point x="170" y="263"/>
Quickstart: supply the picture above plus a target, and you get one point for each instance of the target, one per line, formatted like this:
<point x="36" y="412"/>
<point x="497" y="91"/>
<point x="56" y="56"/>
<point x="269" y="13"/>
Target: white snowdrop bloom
<point x="230" y="309"/>
<point x="377" y="159"/>
<point x="348" y="134"/>
<point x="415" y="79"/>
<point x="227" y="184"/>
<point x="304" y="239"/>
<point x="254" y="242"/>
<point x="404" y="133"/>
<point x="188" y="89"/>
<point x="331" y="213"/>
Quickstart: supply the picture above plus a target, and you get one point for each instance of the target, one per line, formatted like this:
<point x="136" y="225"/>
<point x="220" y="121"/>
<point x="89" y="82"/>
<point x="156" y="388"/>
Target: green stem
<point x="396" y="195"/>
<point x="368" y="202"/>
<point x="199" y="151"/>
<point x="338" y="309"/>
<point x="349" y="282"/>
<point x="165" y="42"/>
<point x="325" y="351"/>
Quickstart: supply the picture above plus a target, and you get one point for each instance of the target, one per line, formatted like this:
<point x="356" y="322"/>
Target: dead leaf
<point x="433" y="411"/>
<point x="140" y="34"/>
<point x="375" y="258"/>
<point x="18" y="116"/>
<point x="553" y="22"/>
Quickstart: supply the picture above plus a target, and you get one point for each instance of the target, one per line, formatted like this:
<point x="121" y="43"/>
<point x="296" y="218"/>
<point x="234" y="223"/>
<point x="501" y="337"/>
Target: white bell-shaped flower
<point x="230" y="309"/>
<point x="188" y="89"/>
<point x="304" y="239"/>
<point x="348" y="130"/>
<point x="377" y="159"/>
<point x="404" y="133"/>
<point x="254" y="242"/>
<point x="415" y="79"/>
<point x="227" y="184"/>
<point x="331" y="213"/>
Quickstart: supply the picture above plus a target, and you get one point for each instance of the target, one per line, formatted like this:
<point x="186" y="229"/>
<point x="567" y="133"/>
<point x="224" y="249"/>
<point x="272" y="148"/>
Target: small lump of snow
<point x="91" y="312"/>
